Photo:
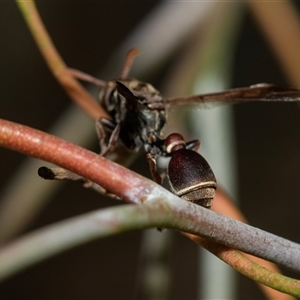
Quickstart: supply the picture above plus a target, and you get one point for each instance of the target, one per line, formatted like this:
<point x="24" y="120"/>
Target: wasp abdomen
<point x="191" y="177"/>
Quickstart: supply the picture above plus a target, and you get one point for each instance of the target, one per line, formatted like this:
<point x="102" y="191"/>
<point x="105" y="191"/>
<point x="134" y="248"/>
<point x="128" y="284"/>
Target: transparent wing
<point x="257" y="92"/>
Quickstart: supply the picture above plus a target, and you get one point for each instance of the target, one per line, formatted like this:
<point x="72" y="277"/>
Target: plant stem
<point x="55" y="62"/>
<point x="136" y="189"/>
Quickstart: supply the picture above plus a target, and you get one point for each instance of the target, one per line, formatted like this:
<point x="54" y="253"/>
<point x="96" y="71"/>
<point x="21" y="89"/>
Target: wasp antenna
<point x="132" y="53"/>
<point x="85" y="77"/>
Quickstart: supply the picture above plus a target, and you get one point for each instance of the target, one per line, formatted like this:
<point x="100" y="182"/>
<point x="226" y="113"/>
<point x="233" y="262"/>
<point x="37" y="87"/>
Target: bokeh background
<point x="87" y="34"/>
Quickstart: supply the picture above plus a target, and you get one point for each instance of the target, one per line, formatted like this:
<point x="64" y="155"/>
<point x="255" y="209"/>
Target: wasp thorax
<point x="189" y="174"/>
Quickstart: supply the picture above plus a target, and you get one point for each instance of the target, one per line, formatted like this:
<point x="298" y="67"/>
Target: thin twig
<point x="240" y="263"/>
<point x="225" y="206"/>
<point x="63" y="174"/>
<point x="56" y="63"/>
<point x="64" y="235"/>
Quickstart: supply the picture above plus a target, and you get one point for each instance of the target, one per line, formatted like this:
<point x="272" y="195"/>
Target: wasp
<point x="139" y="114"/>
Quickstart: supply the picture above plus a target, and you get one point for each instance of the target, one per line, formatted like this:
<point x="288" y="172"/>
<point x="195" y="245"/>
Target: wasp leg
<point x="85" y="77"/>
<point x="104" y="127"/>
<point x="156" y="176"/>
<point x="112" y="140"/>
<point x="153" y="168"/>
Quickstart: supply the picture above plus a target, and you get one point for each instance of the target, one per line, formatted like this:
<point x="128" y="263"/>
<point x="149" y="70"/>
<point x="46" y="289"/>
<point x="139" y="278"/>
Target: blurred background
<point x="93" y="37"/>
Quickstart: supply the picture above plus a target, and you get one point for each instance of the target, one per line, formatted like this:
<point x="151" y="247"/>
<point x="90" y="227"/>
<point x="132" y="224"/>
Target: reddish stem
<point x="41" y="145"/>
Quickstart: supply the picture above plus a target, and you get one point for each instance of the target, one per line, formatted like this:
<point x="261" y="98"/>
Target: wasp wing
<point x="257" y="92"/>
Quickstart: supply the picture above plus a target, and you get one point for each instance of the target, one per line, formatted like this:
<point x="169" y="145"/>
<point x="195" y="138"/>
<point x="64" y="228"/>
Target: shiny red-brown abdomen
<point x="191" y="177"/>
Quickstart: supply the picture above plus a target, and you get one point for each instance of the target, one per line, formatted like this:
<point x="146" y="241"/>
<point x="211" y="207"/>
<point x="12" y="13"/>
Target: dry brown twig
<point x="56" y="63"/>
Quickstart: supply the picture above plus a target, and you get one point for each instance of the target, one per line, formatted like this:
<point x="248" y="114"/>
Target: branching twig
<point x="63" y="174"/>
<point x="254" y="266"/>
<point x="239" y="262"/>
<point x="225" y="206"/>
<point x="56" y="63"/>
<point x="136" y="189"/>
<point x="64" y="235"/>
